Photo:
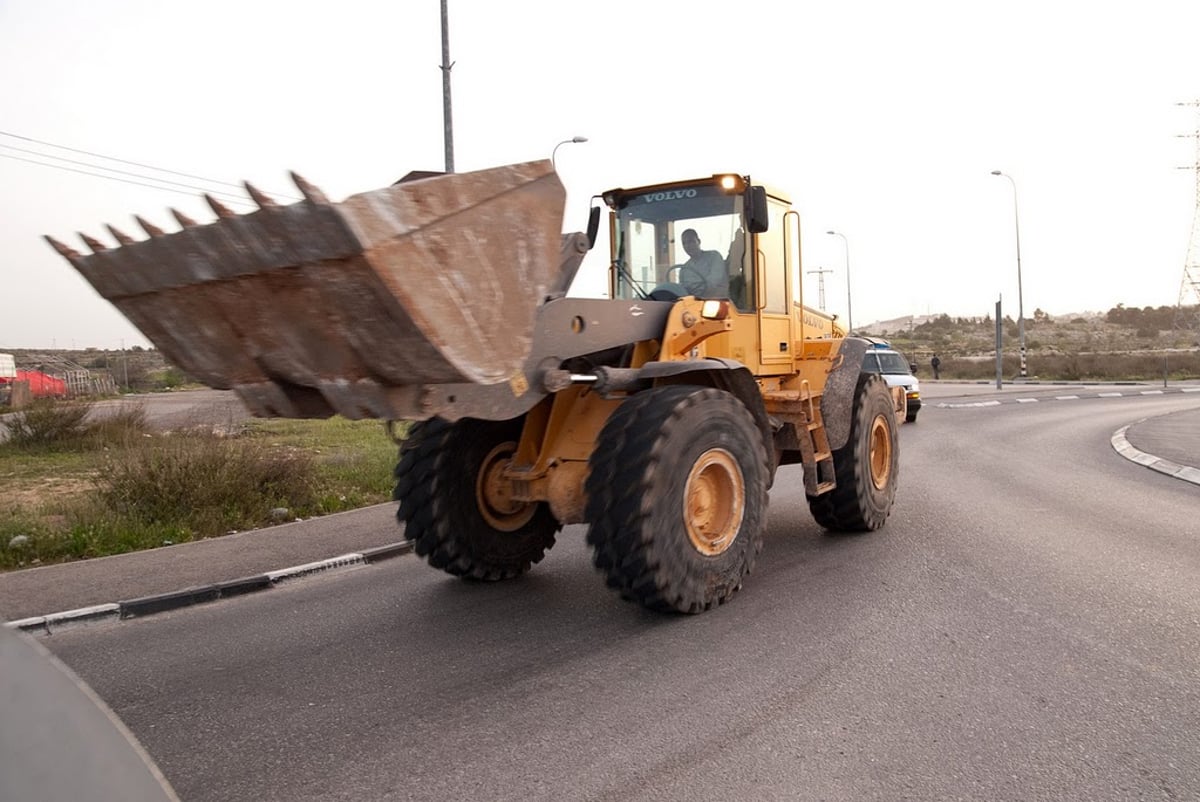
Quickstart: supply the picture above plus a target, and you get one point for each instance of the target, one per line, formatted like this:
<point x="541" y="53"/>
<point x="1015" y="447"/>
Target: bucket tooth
<point x="310" y="192"/>
<point x="366" y="307"/>
<point x="259" y="196"/>
<point x="183" y="219"/>
<point x="96" y="245"/>
<point x="65" y="251"/>
<point x="151" y="229"/>
<point x="120" y="236"/>
<point x="218" y="209"/>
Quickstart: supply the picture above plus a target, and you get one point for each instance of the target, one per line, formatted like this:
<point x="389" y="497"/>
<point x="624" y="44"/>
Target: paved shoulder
<point x="71" y="586"/>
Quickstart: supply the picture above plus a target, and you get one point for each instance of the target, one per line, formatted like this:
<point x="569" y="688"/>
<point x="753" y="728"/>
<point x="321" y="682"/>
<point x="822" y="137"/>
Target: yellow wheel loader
<point x="659" y="416"/>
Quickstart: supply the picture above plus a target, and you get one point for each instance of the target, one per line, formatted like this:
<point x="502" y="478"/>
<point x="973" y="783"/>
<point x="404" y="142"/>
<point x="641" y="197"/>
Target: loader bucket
<point x="319" y="307"/>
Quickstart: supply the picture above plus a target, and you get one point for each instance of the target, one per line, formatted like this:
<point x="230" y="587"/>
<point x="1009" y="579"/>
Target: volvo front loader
<point x="658" y="416"/>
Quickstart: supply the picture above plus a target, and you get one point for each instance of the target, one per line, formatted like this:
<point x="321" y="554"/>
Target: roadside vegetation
<point x="1123" y="344"/>
<point x="79" y="484"/>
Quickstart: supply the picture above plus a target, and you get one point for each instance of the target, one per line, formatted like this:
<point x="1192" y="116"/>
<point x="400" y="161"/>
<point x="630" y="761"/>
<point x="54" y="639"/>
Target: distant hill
<point x="902" y="324"/>
<point x="1149" y="342"/>
<point x="1122" y="343"/>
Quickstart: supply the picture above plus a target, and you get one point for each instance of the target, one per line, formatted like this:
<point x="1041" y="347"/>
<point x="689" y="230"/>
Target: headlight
<point x="730" y="183"/>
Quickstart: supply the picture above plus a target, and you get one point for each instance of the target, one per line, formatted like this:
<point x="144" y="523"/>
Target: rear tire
<point x="866" y="468"/>
<point x="677" y="498"/>
<point x="454" y="506"/>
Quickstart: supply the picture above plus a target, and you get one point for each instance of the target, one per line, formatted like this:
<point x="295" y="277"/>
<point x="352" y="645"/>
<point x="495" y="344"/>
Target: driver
<point x="704" y="274"/>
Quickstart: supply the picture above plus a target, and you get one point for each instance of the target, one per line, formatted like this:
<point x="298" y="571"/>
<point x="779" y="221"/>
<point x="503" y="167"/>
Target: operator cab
<point x="690" y="238"/>
<point x="719" y="237"/>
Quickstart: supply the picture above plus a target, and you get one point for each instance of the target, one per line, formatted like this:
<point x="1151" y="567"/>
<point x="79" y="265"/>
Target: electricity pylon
<point x="1187" y="310"/>
<point x="821" y="286"/>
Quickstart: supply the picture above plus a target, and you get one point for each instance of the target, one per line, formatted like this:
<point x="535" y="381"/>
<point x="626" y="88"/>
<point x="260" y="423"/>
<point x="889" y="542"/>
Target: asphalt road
<point x="215" y="409"/>
<point x="1025" y="627"/>
<point x="183" y="408"/>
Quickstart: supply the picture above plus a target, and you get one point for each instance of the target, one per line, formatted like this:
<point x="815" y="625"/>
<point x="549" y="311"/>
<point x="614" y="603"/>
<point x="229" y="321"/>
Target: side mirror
<point x="755" y="208"/>
<point x="593" y="227"/>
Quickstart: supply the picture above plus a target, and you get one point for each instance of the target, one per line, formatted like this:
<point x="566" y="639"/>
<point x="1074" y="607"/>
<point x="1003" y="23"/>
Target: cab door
<point x="777" y="253"/>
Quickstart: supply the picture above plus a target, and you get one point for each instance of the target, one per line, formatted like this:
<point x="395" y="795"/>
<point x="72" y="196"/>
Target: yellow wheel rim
<point x="881" y="452"/>
<point x="714" y="502"/>
<point x="493" y="493"/>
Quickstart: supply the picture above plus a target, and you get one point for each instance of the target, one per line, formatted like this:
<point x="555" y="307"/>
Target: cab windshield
<point x="682" y="241"/>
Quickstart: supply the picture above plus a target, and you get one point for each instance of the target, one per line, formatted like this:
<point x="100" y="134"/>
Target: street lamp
<point x="849" y="313"/>
<point x="1020" y="298"/>
<point x="575" y="140"/>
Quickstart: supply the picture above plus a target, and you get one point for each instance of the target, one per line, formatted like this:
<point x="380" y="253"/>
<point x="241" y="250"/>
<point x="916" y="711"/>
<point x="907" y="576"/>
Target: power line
<point x="115" y="159"/>
<point x="240" y="198"/>
<point x="122" y="161"/>
<point x="125" y="180"/>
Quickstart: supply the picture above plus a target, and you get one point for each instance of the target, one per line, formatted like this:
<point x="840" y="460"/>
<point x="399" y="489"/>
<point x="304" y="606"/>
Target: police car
<point x="889" y="363"/>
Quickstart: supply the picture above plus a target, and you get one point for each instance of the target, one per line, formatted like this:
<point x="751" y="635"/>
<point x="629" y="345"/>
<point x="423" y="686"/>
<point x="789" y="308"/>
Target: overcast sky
<point x="882" y="119"/>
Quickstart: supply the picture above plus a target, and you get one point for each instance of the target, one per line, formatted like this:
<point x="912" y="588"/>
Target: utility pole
<point x="999" y="347"/>
<point x="447" y="65"/>
<point x="820" y="286"/>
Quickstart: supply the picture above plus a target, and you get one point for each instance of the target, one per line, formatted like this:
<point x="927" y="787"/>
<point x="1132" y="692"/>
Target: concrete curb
<point x="161" y="602"/>
<point x="1123" y="447"/>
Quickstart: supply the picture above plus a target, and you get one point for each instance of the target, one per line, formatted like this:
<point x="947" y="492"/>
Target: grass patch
<point x="112" y="486"/>
<point x="354" y="459"/>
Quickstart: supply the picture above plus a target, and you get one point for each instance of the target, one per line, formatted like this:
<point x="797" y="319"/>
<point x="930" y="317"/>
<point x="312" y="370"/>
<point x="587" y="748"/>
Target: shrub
<point x="56" y="426"/>
<point x="49" y="425"/>
<point x="170" y="378"/>
<point x="205" y="485"/>
<point x="118" y="427"/>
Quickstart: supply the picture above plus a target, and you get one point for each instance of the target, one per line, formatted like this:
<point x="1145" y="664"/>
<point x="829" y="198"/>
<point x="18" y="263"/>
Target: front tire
<point x="677" y="498"/>
<point x="455" y="505"/>
<point x="866" y="468"/>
